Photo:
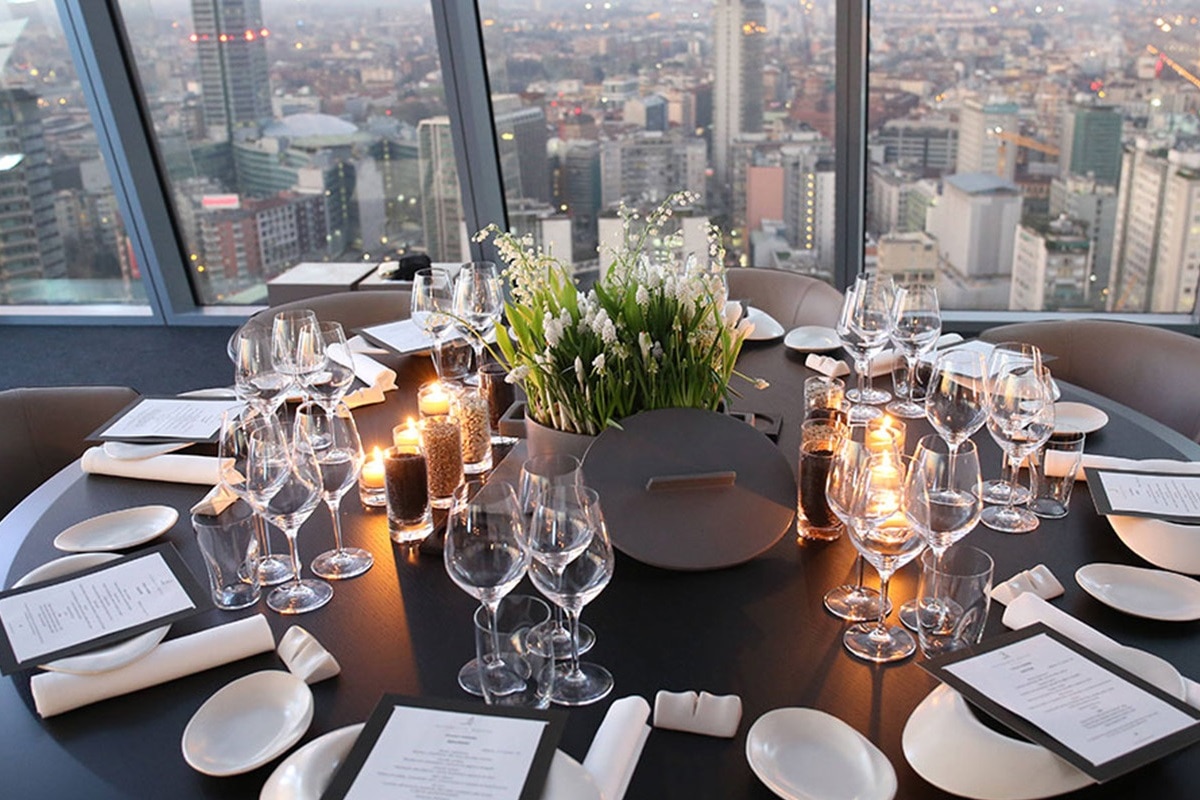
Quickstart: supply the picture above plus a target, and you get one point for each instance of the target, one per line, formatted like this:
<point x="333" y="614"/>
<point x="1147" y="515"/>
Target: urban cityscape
<point x="1019" y="156"/>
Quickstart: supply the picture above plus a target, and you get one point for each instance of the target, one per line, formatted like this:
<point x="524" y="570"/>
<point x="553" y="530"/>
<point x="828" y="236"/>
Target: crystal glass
<point x="297" y="350"/>
<point x="1020" y="420"/>
<point x="233" y="452"/>
<point x="433" y="308"/>
<point x="478" y="301"/>
<point x="333" y="438"/>
<point x="1019" y="355"/>
<point x="916" y="326"/>
<point x="956" y="403"/>
<point x="571" y="582"/>
<point x="329" y="383"/>
<point x="485" y="555"/>
<point x="864" y="326"/>
<point x="255" y="378"/>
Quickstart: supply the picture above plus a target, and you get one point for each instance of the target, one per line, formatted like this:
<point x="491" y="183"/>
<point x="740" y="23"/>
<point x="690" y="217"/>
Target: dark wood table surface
<point x="757" y="630"/>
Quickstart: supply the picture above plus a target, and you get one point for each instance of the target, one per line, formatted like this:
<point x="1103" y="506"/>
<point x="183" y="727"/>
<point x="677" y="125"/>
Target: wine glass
<point x="330" y="382"/>
<point x="881" y="532"/>
<point x="1008" y="356"/>
<point x="863" y="328"/>
<point x="485" y="554"/>
<point x="572" y="586"/>
<point x="334" y="439"/>
<point x="956" y="403"/>
<point x="1020" y="419"/>
<point x="233" y="452"/>
<point x="916" y="326"/>
<point x="477" y="302"/>
<point x="296" y="347"/>
<point x="285" y="481"/>
<point x="255" y="379"/>
<point x="433" y="305"/>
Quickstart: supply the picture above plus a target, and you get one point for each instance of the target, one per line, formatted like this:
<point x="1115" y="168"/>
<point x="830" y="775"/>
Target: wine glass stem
<point x="334" y="507"/>
<point x="1011" y="467"/>
<point x="861" y="367"/>
<point x="264" y="536"/>
<point x="911" y="360"/>
<point x="881" y="625"/>
<point x="290" y="533"/>
<point x="489" y="611"/>
<point x="573" y="621"/>
<point x="862" y="573"/>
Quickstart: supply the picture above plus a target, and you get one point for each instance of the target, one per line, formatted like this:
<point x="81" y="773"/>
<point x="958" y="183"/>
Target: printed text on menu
<point x="1159" y="495"/>
<point x="169" y="418"/>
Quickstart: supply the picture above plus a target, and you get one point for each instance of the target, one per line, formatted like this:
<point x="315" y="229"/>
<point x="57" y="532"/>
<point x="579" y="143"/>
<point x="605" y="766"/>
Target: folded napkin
<point x="172" y="468"/>
<point x="617" y="746"/>
<point x="376" y="376"/>
<point x="305" y="657"/>
<point x="704" y="713"/>
<point x="829" y="367"/>
<point x="1039" y="580"/>
<point x="1058" y="462"/>
<point x="56" y="692"/>
<point x="217" y="500"/>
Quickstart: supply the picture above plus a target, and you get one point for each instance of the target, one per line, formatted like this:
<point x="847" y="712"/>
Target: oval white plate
<point x="1164" y="544"/>
<point x="949" y="747"/>
<point x="247" y="723"/>
<point x="1078" y="417"/>
<point x="1149" y="593"/>
<point x="812" y="339"/>
<point x="305" y="774"/>
<point x="765" y="326"/>
<point x="101" y="659"/>
<point x="805" y="754"/>
<point x="117" y="530"/>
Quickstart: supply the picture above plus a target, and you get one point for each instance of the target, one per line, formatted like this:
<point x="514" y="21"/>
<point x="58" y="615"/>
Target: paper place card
<point x="102" y="605"/>
<point x="1085" y="709"/>
<point x="168" y="419"/>
<point x="1162" y="495"/>
<point x="416" y="747"/>
<point x="404" y="337"/>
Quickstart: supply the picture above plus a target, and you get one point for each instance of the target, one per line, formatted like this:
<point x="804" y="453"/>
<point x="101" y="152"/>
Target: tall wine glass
<point x="1006" y="357"/>
<point x="433" y="306"/>
<point x="296" y="347"/>
<point x="334" y="439"/>
<point x="255" y="378"/>
<point x="285" y="480"/>
<point x="477" y="302"/>
<point x="485" y="554"/>
<point x="233" y="453"/>
<point x="330" y="382"/>
<point x="863" y="327"/>
<point x="1020" y="419"/>
<point x="956" y="403"/>
<point x="572" y="586"/>
<point x="880" y="531"/>
<point x="916" y="326"/>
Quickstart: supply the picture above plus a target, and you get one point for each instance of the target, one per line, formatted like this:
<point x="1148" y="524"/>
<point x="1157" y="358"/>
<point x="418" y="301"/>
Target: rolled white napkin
<point x="366" y="369"/>
<point x="217" y="500"/>
<point x="1039" y="580"/>
<point x="305" y="657"/>
<point x="705" y="713"/>
<point x="56" y="692"/>
<point x="617" y="746"/>
<point x="172" y="468"/>
<point x="1057" y="464"/>
<point x="827" y="366"/>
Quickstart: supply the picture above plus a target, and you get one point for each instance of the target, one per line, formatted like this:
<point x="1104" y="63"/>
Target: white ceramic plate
<point x="948" y="746"/>
<point x="766" y="328"/>
<point x="1149" y="593"/>
<point x="805" y="754"/>
<point x="101" y="659"/>
<point x="812" y="339"/>
<point x="1078" y="417"/>
<point x="117" y="530"/>
<point x="247" y="723"/>
<point x="306" y="773"/>
<point x="1164" y="544"/>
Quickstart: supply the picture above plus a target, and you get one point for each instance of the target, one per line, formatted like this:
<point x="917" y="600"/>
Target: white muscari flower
<point x="579" y="375"/>
<point x="517" y="374"/>
<point x="642" y="296"/>
<point x="644" y="345"/>
<point x="598" y="364"/>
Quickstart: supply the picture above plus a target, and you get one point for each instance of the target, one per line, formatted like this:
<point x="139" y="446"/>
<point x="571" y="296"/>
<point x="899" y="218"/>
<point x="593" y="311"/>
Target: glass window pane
<point x="61" y="237"/>
<point x="1036" y="158"/>
<point x="598" y="104"/>
<point x="297" y="132"/>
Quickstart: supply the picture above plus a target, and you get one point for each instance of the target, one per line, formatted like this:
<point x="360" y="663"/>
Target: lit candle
<point x="407" y="438"/>
<point x="885" y="434"/>
<point x="372" y="471"/>
<point x="433" y="400"/>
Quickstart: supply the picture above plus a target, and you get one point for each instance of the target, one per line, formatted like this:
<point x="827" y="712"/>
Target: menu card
<point x="1050" y="689"/>
<point x="99" y="606"/>
<point x="168" y="419"/>
<point x="430" y="749"/>
<point x="404" y="337"/>
<point x="1164" y="495"/>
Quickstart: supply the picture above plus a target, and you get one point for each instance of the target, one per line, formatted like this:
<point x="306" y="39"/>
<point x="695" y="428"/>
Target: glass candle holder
<point x="410" y="519"/>
<point x="371" y="481"/>
<point x="441" y="443"/>
<point x="471" y="407"/>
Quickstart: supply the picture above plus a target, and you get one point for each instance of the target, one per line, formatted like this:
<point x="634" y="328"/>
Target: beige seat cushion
<point x="792" y="299"/>
<point x="354" y="309"/>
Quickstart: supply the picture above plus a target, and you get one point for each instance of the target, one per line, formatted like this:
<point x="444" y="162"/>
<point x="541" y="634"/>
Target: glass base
<point x="550" y="639"/>
<point x="997" y="493"/>
<point x="908" y="614"/>
<point x="274" y="570"/>
<point x="593" y="682"/>
<point x="868" y="642"/>
<point x="299" y="597"/>
<point x="1009" y="520"/>
<point x="871" y="397"/>
<point x="863" y="413"/>
<point x="478" y="467"/>
<point x="854" y="603"/>
<point x="338" y="565"/>
<point x="906" y="409"/>
<point x="509" y="678"/>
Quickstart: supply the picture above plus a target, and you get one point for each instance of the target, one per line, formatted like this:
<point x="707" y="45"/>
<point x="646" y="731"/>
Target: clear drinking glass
<point x="1020" y="355"/>
<point x="916" y="326"/>
<point x="333" y="437"/>
<point x="956" y="403"/>
<point x="296" y="347"/>
<point x="864" y="326"/>
<point x="478" y="301"/>
<point x="329" y="384"/>
<point x="433" y="307"/>
<point x="1020" y="420"/>
<point x="255" y="379"/>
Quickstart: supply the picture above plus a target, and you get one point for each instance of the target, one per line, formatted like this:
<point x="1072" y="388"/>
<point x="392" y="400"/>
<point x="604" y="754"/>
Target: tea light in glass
<point x="371" y="481"/>
<point x="407" y="487"/>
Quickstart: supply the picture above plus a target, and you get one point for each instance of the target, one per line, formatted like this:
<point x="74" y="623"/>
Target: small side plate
<point x="766" y="328"/>
<point x="1148" y="593"/>
<point x="812" y="339"/>
<point x="1078" y="417"/>
<point x="117" y="530"/>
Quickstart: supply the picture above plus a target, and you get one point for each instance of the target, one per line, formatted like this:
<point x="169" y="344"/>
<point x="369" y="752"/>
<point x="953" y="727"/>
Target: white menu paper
<point x="405" y="336"/>
<point x="431" y="754"/>
<point x="170" y="418"/>
<point x="1152" y="494"/>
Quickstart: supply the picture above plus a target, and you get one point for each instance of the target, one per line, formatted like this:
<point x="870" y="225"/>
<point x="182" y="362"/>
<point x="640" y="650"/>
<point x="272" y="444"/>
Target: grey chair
<point x="791" y="298"/>
<point x="353" y="309"/>
<point x="42" y="430"/>
<point x="1151" y="370"/>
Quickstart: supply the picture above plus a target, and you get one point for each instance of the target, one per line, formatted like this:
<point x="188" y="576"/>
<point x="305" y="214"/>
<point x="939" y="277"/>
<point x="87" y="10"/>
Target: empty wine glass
<point x="233" y="452"/>
<point x="573" y="586"/>
<point x="916" y="326"/>
<point x="329" y="383"/>
<point x="880" y="531"/>
<point x="1006" y="356"/>
<point x="335" y="442"/>
<point x="478" y="301"/>
<point x="1020" y="420"/>
<point x="485" y="554"/>
<point x="956" y="403"/>
<point x="296" y="347"/>
<point x="433" y="307"/>
<point x="255" y="379"/>
<point x="863" y="328"/>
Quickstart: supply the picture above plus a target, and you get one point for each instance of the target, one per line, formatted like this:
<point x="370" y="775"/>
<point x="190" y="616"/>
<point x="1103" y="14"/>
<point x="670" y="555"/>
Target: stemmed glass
<point x="283" y="479"/>
<point x="863" y="326"/>
<point x="956" y="403"/>
<point x="296" y="347"/>
<point x="485" y="554"/>
<point x="881" y="533"/>
<point x="233" y="453"/>
<point x="433" y="305"/>
<point x="1008" y="356"/>
<point x="329" y="383"/>
<point x="477" y="303"/>
<point x="255" y="379"/>
<point x="1020" y="419"/>
<point x="572" y="586"/>
<point x="916" y="326"/>
<point x="335" y="442"/>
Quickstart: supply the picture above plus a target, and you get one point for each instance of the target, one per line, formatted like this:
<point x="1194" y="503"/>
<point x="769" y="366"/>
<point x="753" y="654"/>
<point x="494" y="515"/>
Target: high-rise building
<point x="441" y="206"/>
<point x="230" y="38"/>
<point x="1095" y="205"/>
<point x="578" y="194"/>
<point x="739" y="34"/>
<point x="644" y="168"/>
<point x="808" y="203"/>
<point x="1052" y="267"/>
<point x="979" y="150"/>
<point x="930" y="146"/>
<point x="975" y="221"/>
<point x="1091" y="141"/>
<point x="524" y="161"/>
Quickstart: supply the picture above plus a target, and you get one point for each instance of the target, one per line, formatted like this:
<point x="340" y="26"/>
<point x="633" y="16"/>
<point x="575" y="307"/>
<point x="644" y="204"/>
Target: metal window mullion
<point x="850" y="130"/>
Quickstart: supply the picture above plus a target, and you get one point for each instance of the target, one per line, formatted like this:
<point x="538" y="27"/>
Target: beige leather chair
<point x="354" y="309"/>
<point x="792" y="299"/>
<point x="1151" y="370"/>
<point x="42" y="430"/>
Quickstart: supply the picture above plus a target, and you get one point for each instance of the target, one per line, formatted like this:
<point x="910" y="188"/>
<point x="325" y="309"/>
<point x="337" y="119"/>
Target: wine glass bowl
<point x="864" y="326"/>
<point x="956" y="403"/>
<point x="329" y="383"/>
<point x="916" y="326"/>
<point x="1020" y="420"/>
<point x="478" y="301"/>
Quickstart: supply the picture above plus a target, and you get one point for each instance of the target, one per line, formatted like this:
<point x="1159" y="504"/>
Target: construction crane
<point x="1006" y="138"/>
<point x="1173" y="64"/>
